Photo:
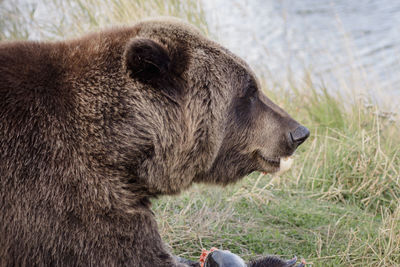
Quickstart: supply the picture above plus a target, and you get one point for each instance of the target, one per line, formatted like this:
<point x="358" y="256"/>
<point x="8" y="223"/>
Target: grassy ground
<point x="338" y="206"/>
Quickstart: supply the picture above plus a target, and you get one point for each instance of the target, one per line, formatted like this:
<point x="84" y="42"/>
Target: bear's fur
<point x="93" y="128"/>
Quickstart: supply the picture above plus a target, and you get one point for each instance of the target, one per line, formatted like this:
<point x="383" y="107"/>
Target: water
<point x="345" y="44"/>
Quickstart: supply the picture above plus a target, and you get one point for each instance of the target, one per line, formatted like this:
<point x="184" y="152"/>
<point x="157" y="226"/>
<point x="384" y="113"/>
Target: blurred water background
<point x="344" y="45"/>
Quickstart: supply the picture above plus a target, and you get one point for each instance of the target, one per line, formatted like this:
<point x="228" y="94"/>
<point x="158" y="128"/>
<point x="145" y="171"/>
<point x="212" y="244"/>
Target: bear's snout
<point x="298" y="136"/>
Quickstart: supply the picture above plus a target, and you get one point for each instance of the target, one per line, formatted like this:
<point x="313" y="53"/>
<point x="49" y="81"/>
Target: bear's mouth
<point x="279" y="164"/>
<point x="272" y="161"/>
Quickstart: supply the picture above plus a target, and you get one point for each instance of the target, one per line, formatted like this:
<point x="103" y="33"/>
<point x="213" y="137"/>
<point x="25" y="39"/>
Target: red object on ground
<point x="204" y="254"/>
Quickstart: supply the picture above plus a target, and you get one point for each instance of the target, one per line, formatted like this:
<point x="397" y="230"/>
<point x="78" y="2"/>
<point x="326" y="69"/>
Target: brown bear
<point x="93" y="128"/>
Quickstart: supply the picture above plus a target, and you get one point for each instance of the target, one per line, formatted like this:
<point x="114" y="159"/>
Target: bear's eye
<point x="251" y="93"/>
<point x="249" y="90"/>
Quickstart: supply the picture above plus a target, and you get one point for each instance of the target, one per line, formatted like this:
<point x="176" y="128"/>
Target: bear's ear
<point x="146" y="60"/>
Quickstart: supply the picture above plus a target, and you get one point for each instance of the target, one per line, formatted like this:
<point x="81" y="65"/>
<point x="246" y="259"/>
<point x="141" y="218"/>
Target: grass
<point x="338" y="206"/>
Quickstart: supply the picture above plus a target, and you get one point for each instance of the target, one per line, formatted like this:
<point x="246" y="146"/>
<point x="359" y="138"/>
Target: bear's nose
<point x="299" y="135"/>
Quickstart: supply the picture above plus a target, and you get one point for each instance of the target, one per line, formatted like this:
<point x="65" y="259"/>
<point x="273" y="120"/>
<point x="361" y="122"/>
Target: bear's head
<point x="198" y="112"/>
